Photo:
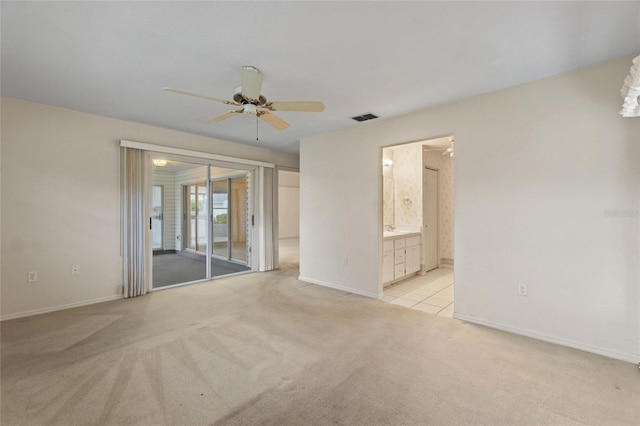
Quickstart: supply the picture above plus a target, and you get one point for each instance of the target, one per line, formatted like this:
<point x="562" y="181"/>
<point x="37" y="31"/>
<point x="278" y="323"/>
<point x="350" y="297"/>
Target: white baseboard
<point x="623" y="356"/>
<point x="338" y="287"/>
<point x="60" y="307"/>
<point x="445" y="262"/>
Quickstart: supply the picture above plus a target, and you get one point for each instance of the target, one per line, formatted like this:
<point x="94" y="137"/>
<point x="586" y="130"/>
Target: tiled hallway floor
<point x="432" y="293"/>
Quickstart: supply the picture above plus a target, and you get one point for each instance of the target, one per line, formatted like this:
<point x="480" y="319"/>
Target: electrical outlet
<point x="523" y="289"/>
<point x="32" y="276"/>
<point x="75" y="270"/>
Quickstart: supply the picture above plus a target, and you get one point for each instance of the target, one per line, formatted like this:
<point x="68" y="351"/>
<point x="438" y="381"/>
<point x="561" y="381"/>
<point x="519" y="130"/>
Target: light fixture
<point x="159" y="162"/>
<point x="386" y="162"/>
<point x="631" y="91"/>
<point x="449" y="151"/>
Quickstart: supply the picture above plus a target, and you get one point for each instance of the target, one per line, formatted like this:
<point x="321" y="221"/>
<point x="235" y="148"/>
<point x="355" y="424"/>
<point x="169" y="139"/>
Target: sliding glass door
<point x="230" y="218"/>
<point x="231" y="230"/>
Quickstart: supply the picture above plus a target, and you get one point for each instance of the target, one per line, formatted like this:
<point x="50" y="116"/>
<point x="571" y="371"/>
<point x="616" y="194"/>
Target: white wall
<point x="61" y="201"/>
<point x="537" y="167"/>
<point x="288" y="204"/>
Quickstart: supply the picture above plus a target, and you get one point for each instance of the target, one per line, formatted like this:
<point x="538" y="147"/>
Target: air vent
<point x="364" y="117"/>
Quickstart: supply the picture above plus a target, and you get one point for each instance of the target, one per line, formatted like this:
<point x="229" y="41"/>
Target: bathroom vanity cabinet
<point x="401" y="257"/>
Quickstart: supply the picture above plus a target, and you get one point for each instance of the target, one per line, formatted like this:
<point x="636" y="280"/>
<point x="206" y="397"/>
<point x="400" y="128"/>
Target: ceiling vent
<point x="364" y="117"/>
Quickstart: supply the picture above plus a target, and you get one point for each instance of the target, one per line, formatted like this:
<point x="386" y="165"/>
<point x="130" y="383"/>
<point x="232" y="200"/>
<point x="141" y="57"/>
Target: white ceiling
<point x="389" y="58"/>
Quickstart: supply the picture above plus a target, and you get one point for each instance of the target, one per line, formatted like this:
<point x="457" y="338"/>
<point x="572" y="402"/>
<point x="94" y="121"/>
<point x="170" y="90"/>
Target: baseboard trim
<point x="446" y="262"/>
<point x="622" y="356"/>
<point x="338" y="287"/>
<point x="60" y="307"/>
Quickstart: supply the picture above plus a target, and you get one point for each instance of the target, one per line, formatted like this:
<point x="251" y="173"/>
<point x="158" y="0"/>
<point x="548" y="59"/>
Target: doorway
<point x="417" y="214"/>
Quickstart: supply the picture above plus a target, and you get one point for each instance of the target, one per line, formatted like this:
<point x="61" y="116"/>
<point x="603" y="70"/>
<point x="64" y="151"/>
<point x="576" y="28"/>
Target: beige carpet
<point x="268" y="349"/>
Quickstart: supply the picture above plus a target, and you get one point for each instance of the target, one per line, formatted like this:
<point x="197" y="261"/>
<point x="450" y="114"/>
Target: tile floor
<point x="432" y="293"/>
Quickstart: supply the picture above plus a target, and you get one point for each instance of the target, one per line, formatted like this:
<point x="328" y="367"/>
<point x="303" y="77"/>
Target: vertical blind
<point x="135" y="223"/>
<point x="269" y="237"/>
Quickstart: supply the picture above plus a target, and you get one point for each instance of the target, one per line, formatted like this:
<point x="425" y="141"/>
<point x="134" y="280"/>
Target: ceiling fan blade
<point x="251" y="82"/>
<point x="182" y="92"/>
<point x="296" y="106"/>
<point x="224" y="116"/>
<point x="277" y="122"/>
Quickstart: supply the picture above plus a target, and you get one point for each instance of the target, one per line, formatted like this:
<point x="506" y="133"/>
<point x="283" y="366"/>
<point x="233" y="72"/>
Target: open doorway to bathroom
<point x="417" y="206"/>
<point x="288" y="219"/>
<point x="201" y="221"/>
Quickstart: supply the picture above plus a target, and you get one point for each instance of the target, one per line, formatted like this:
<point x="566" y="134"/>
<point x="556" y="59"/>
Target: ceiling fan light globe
<point x="250" y="109"/>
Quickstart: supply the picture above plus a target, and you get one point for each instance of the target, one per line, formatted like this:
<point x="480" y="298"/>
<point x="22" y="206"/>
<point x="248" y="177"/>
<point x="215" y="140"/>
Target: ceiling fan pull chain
<point x="256" y="127"/>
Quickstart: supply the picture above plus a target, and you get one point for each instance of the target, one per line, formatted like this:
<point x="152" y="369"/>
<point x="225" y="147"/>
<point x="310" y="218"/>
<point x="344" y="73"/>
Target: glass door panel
<point x="156" y="217"/>
<point x="196" y="217"/>
<point x="201" y="213"/>
<point x="239" y="222"/>
<point x="220" y="218"/>
<point x="191" y="213"/>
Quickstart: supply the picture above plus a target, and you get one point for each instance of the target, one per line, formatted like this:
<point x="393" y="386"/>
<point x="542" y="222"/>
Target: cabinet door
<point x="412" y="241"/>
<point x="387" y="267"/>
<point x="413" y="259"/>
<point x="399" y="271"/>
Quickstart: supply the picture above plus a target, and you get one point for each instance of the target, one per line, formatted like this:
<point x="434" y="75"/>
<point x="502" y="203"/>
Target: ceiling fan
<point x="251" y="101"/>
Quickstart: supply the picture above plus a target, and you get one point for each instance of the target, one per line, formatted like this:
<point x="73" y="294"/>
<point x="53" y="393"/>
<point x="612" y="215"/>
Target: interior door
<point x="430" y="218"/>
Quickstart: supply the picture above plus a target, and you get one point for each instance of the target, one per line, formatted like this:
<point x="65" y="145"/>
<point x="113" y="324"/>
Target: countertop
<point x="397" y="234"/>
